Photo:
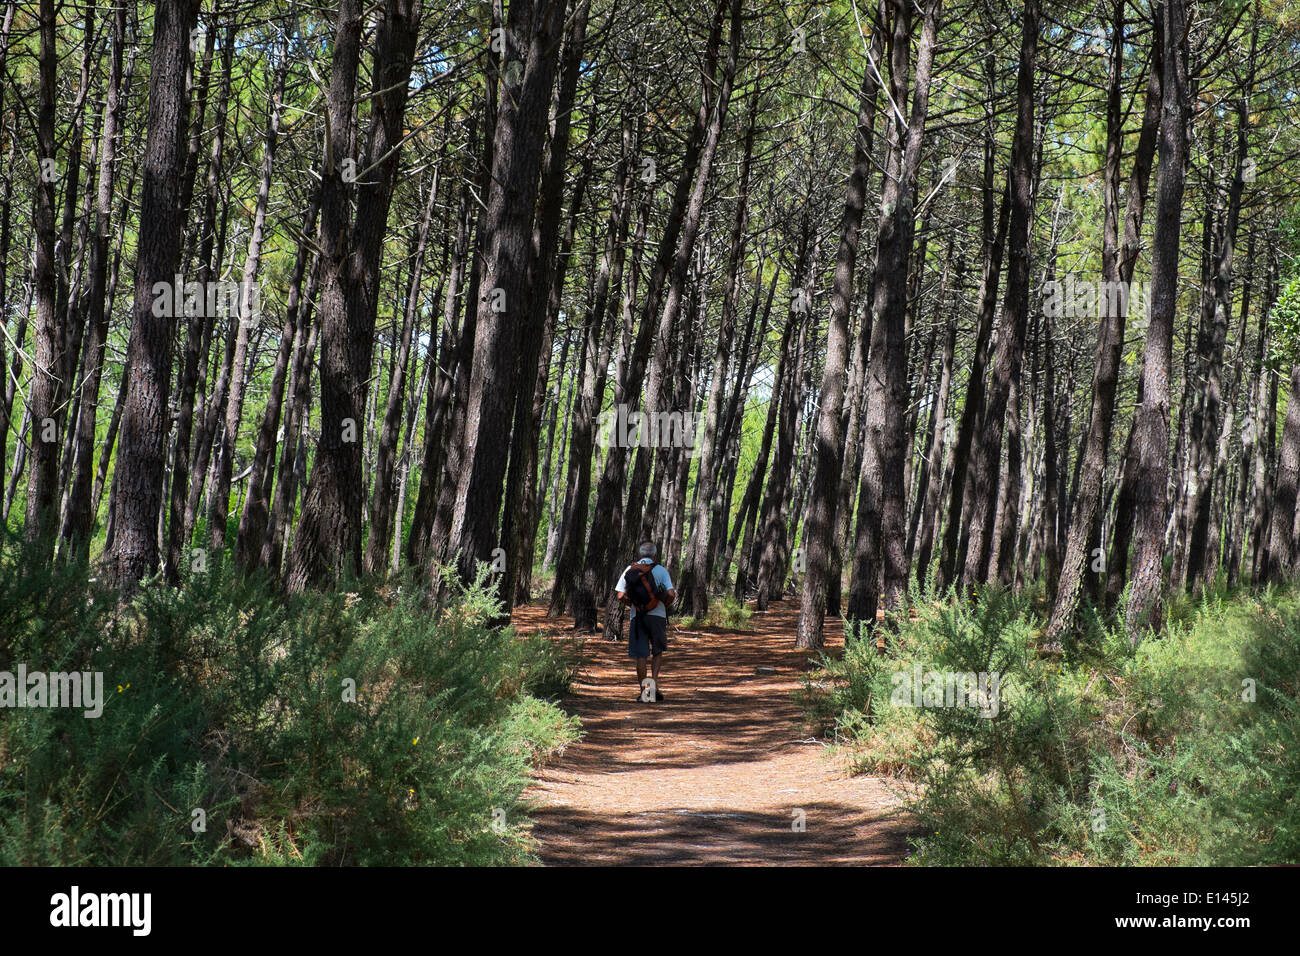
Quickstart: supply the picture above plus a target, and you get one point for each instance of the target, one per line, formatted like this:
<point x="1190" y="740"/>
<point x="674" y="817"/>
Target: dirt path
<point x="716" y="773"/>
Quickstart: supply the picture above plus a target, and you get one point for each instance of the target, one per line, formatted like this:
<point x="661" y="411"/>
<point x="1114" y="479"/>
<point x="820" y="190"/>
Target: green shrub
<point x="327" y="728"/>
<point x="725" y="613"/>
<point x="1101" y="754"/>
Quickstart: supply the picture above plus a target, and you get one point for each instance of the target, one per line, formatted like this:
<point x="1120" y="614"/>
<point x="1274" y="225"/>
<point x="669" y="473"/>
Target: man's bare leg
<point x="654" y="667"/>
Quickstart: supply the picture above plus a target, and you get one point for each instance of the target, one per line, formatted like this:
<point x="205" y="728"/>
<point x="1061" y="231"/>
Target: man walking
<point x="648" y="590"/>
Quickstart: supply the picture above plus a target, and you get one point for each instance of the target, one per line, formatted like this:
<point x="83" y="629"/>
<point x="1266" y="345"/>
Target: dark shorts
<point x="647" y="634"/>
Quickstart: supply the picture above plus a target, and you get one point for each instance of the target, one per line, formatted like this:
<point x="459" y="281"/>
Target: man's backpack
<point x="641" y="589"/>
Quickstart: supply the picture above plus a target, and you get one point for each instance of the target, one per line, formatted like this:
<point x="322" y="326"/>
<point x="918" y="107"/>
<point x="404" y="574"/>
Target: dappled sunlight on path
<point x="719" y="772"/>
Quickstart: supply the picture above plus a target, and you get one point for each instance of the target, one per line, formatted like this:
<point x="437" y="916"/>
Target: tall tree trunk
<point x="1152" y="438"/>
<point x="187" y="483"/>
<point x="823" y="500"/>
<point x="6" y="206"/>
<point x="257" y="506"/>
<point x="530" y="504"/>
<point x="666" y="333"/>
<point x="381" y="502"/>
<point x="950" y="557"/>
<point x="328" y="538"/>
<point x="599" y="332"/>
<point x="1015" y="311"/>
<point x="1117" y="267"/>
<point x="693" y="583"/>
<point x="547" y="268"/>
<point x="42" y="490"/>
<point x="1234" y="498"/>
<point x="443" y="386"/>
<point x="286" y="481"/>
<point x="1200" y="563"/>
<point x="79" y="519"/>
<point x="773" y="528"/>
<point x="940" y="441"/>
<point x="138" y="490"/>
<point x="879" y="552"/>
<point x="747" y="520"/>
<point x="730" y="433"/>
<point x="1263" y="421"/>
<point x="1281" y="560"/>
<point x="531" y="37"/>
<point x="249" y="315"/>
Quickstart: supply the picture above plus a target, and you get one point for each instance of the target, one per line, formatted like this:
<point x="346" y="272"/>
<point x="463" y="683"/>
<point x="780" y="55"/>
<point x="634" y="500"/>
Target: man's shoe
<point x="659" y="696"/>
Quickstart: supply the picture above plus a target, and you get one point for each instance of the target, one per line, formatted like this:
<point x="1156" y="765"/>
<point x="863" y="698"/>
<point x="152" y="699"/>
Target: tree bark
<point x="599" y="332"/>
<point x="79" y="520"/>
<point x="823" y="500"/>
<point x="1015" y="312"/>
<point x="137" y="492"/>
<point x="879" y="553"/>
<point x="382" y="516"/>
<point x="531" y="36"/>
<point x="249" y="315"/>
<point x="1117" y="266"/>
<point x="693" y="584"/>
<point x="42" y="490"/>
<point x="1145" y="606"/>
<point x="327" y="543"/>
<point x="547" y="269"/>
<point x="1200" y="563"/>
<point x="257" y="506"/>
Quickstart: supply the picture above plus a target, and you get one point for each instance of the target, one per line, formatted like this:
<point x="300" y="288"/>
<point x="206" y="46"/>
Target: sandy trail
<point x="718" y="773"/>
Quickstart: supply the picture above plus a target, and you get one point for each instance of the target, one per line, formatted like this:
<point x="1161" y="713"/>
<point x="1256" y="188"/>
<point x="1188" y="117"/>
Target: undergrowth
<point x="1185" y="750"/>
<point x="244" y="726"/>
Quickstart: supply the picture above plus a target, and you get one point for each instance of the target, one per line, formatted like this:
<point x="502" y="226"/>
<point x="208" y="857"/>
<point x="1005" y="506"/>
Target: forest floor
<point x="716" y="773"/>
